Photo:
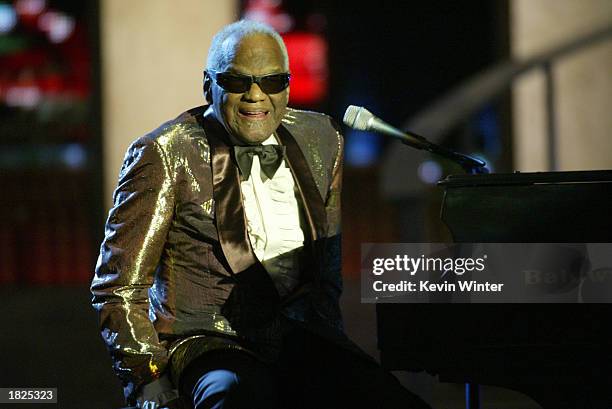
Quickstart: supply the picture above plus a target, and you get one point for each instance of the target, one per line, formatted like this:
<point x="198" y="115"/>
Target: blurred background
<point x="523" y="84"/>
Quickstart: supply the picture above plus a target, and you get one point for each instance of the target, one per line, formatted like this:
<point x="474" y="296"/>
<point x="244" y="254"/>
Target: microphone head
<point x="357" y="118"/>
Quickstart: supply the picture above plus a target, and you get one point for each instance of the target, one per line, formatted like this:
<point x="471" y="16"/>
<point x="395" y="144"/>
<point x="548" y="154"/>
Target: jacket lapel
<point x="229" y="212"/>
<point x="314" y="208"/>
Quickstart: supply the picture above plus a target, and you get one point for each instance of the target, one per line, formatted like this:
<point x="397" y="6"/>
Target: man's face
<point x="252" y="116"/>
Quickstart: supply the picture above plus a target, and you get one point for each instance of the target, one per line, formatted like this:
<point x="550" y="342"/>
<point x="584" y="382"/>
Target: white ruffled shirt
<point x="273" y="221"/>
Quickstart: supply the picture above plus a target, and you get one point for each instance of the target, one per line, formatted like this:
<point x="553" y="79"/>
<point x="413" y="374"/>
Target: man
<point x="220" y="270"/>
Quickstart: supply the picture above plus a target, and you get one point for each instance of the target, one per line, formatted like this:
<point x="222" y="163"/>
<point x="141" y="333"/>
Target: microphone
<point x="361" y="119"/>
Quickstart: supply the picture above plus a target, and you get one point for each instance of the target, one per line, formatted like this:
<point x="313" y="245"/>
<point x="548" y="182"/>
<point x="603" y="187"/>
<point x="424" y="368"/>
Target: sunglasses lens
<point x="270" y="84"/>
<point x="273" y="84"/>
<point x="234" y="83"/>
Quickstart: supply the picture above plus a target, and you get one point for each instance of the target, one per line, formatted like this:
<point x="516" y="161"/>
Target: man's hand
<point x="160" y="394"/>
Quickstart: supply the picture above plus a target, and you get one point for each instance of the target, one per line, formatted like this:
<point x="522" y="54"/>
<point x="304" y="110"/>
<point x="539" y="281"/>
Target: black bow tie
<point x="270" y="158"/>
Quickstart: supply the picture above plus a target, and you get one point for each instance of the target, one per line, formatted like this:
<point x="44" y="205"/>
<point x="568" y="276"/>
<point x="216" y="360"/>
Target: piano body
<point x="558" y="354"/>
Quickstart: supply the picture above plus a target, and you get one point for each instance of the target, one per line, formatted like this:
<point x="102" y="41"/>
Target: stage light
<point x="45" y="20"/>
<point x="362" y="148"/>
<point x="309" y="68"/>
<point x="74" y="156"/>
<point x="281" y="22"/>
<point x="27" y="96"/>
<point x="430" y="172"/>
<point x="30" y="7"/>
<point x="8" y="18"/>
<point x="58" y="26"/>
<point x="269" y="12"/>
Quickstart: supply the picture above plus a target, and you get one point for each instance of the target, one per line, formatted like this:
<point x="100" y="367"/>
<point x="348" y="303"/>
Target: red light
<point x="308" y="66"/>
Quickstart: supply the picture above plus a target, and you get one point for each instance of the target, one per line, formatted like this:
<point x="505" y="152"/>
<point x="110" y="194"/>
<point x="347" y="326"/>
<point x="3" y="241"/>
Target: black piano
<point x="558" y="354"/>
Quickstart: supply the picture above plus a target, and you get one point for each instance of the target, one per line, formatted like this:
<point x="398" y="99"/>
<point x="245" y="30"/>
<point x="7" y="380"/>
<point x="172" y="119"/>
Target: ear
<point x="206" y="88"/>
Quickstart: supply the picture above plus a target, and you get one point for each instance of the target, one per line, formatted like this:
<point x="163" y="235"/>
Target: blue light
<point x="485" y="159"/>
<point x="430" y="172"/>
<point x="8" y="18"/>
<point x="74" y="156"/>
<point x="362" y="148"/>
<point x="487" y="123"/>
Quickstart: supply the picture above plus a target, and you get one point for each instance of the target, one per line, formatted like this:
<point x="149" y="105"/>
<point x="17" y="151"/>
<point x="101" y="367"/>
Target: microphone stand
<point x="470" y="165"/>
<point x="361" y="119"/>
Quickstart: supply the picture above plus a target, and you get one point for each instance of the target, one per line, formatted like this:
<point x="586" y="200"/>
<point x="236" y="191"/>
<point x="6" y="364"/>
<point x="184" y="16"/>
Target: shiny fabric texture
<point x="176" y="261"/>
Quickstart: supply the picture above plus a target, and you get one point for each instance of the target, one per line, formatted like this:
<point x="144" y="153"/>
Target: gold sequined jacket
<point x="176" y="261"/>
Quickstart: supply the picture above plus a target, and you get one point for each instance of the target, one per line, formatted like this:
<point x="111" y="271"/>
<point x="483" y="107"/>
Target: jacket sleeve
<point x="135" y="236"/>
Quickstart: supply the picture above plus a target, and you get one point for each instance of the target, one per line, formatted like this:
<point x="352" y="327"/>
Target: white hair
<point x="222" y="49"/>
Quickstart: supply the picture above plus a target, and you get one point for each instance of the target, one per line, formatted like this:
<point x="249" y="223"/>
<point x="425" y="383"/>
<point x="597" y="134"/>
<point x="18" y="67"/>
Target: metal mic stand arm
<point x="469" y="164"/>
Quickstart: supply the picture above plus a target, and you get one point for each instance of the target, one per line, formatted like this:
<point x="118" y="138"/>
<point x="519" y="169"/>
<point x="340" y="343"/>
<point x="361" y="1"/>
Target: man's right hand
<point x="160" y="394"/>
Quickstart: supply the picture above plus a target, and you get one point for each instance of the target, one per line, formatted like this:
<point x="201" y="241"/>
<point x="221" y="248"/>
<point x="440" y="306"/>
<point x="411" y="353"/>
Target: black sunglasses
<point x="240" y="83"/>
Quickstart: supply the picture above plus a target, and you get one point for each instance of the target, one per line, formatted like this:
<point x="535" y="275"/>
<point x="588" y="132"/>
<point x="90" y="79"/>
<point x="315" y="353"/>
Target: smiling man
<point x="248" y="112"/>
<point x="219" y="275"/>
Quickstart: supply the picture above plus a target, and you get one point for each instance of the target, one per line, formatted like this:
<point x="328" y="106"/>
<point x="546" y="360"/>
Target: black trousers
<point x="311" y="372"/>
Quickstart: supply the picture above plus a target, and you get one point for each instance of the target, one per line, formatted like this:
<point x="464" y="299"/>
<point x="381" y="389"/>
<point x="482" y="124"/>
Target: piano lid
<point x="528" y="178"/>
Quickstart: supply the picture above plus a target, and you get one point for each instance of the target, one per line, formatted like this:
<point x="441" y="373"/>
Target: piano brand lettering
<point x="412" y="265"/>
